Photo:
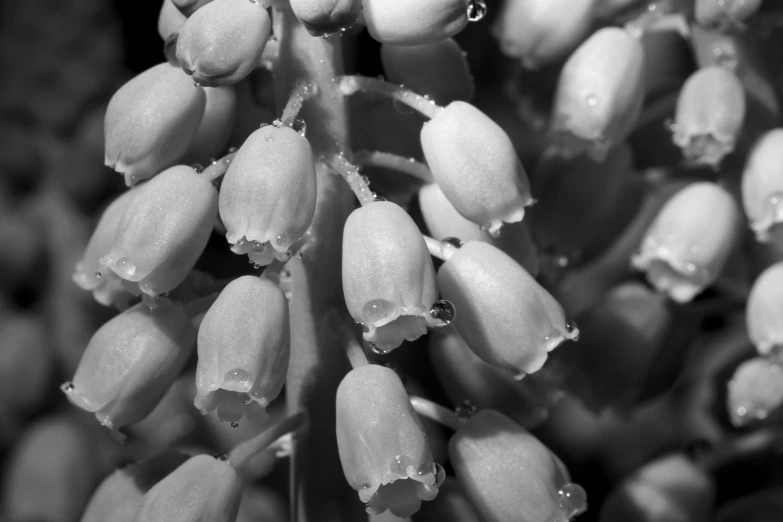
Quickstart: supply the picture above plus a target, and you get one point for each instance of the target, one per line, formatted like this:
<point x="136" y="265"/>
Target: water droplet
<point x="477" y="9"/>
<point x="196" y="84"/>
<point x="572" y="499"/>
<point x="98" y="275"/>
<point x="443" y="311"/>
<point x="573" y="329"/>
<point x="592" y="100"/>
<point x="234" y="425"/>
<point x="377" y="197"/>
<point x="378" y="310"/>
<point x="669" y="125"/>
<point x="236" y="378"/>
<point x="375" y="349"/>
<point x="299" y="125"/>
<point x="67" y="387"/>
<point x="465" y="410"/>
<point x="198" y="167"/>
<point x="220" y="456"/>
<point x="126" y="266"/>
<point x="244" y="398"/>
<point x="203" y="411"/>
<point x="269" y="137"/>
<point x="278" y="123"/>
<point x="454" y="241"/>
<point x="232" y="150"/>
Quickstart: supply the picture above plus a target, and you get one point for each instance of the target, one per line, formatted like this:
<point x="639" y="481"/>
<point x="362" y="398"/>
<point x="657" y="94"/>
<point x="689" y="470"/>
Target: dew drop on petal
<point x="572" y="499"/>
<point x="126" y="266"/>
<point x="234" y="425"/>
<point x="278" y="123"/>
<point x="299" y="126"/>
<point x="236" y="378"/>
<point x="220" y="456"/>
<point x="465" y="410"/>
<point x="67" y="387"/>
<point x="477" y="9"/>
<point x="375" y="349"/>
<point x="454" y="241"/>
<point x="378" y="310"/>
<point x="443" y="311"/>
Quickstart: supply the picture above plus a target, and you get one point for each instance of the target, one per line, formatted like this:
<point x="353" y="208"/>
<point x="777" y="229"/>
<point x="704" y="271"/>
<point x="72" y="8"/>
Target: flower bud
<point x="764" y="311"/>
<point x="216" y="125"/>
<point x="221" y="43"/>
<point x="411" y="22"/>
<point x="383" y="448"/>
<point x="536" y="33"/>
<point x="508" y="474"/>
<point x="755" y="391"/>
<point x="89" y="274"/>
<point x="163" y="231"/>
<point x="188" y="7"/>
<point x="725" y="14"/>
<point x="686" y="247"/>
<point x="243" y="349"/>
<point x="170" y="19"/>
<point x="709" y="117"/>
<point x="130" y="362"/>
<point x="26" y="363"/>
<point x="438" y="70"/>
<point x="599" y="94"/>
<point x="388" y="277"/>
<point x="203" y="488"/>
<point x="324" y="17"/>
<point x="443" y="221"/>
<point x="762" y="185"/>
<point x="120" y="494"/>
<point x="267" y="199"/>
<point x="151" y="121"/>
<point x="505" y="316"/>
<point x="670" y="489"/>
<point x="488" y="188"/>
<point x="451" y="504"/>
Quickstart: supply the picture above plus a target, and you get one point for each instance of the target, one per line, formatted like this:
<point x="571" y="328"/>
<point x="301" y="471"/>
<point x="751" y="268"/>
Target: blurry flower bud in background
<point x="762" y="186"/>
<point x="755" y="391"/>
<point x="764" y="312"/>
<point x="725" y="14"/>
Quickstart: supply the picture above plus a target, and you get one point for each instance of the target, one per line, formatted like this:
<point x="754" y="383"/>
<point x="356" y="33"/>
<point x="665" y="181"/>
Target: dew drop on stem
<point x="465" y="410"/>
<point x="572" y="499"/>
<point x="443" y="311"/>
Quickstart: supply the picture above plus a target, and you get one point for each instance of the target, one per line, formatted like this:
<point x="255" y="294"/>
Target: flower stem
<point x="302" y="92"/>
<point x="219" y="167"/>
<point x="353" y="348"/>
<point x="388" y="160"/>
<point x="351" y="175"/>
<point x="441" y="249"/>
<point x="350" y="85"/>
<point x="241" y="454"/>
<point x="436" y="412"/>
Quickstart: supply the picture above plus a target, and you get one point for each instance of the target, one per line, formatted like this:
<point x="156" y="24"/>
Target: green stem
<point x="436" y="412"/>
<point x="353" y="348"/>
<point x="388" y="160"/>
<point x="350" y="85"/>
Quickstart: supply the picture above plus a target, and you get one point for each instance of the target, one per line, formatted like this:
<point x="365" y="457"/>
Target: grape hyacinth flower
<point x="130" y="362"/>
<point x="222" y="42"/>
<point x="410" y="22"/>
<point x="762" y="185"/>
<point x="709" y="117"/>
<point x="243" y="350"/>
<point x="725" y="14"/>
<point x="764" y="312"/>
<point x="151" y="121"/>
<point x="505" y="316"/>
<point x="215" y="128"/>
<point x="755" y="391"/>
<point x="383" y="448"/>
<point x="163" y="231"/>
<point x="508" y="474"/>
<point x="686" y="247"/>
<point x="267" y="198"/>
<point x="388" y="277"/>
<point x="170" y="19"/>
<point x="324" y="17"/>
<point x="475" y="164"/>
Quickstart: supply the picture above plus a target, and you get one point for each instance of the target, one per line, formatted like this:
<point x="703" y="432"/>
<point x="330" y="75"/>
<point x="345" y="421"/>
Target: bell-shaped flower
<point x="151" y="121"/>
<point x="508" y="474"/>
<point x="89" y="274"/>
<point x="444" y="222"/>
<point x="755" y="391"/>
<point x="489" y="188"/>
<point x="324" y="17"/>
<point x="764" y="311"/>
<point x="163" y="231"/>
<point x="466" y="377"/>
<point x="383" y="448"/>
<point x="216" y="126"/>
<point x="762" y="186"/>
<point x="119" y="495"/>
<point x="671" y="488"/>
<point x="451" y="504"/>
<point x="222" y="42"/>
<point x="243" y="349"/>
<point x="188" y="7"/>
<point x="599" y="93"/>
<point x="267" y="199"/>
<point x="388" y="277"/>
<point x="725" y="14"/>
<point x="170" y="19"/>
<point x="202" y="489"/>
<point x="411" y="22"/>
<point x="536" y="33"/>
<point x="438" y="70"/>
<point x="504" y="315"/>
<point x="709" y="116"/>
<point x="130" y="362"/>
<point x="687" y="245"/>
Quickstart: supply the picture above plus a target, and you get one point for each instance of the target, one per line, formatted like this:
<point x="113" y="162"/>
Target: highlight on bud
<point x="762" y="186"/>
<point x="203" y="488"/>
<point x="599" y="94"/>
<point x="324" y="17"/>
<point x="755" y="391"/>
<point x="507" y="472"/>
<point x="537" y="33"/>
<point x="411" y="22"/>
<point x="725" y="14"/>
<point x="505" y="316"/>
<point x="130" y="362"/>
<point x="475" y="164"/>
<point x="89" y="274"/>
<point x="388" y="277"/>
<point x="267" y="198"/>
<point x="151" y="121"/>
<point x="383" y="448"/>
<point x="222" y="42"/>
<point x="709" y="116"/>
<point x="688" y="243"/>
<point x="764" y="311"/>
<point x="243" y="350"/>
<point x="163" y="231"/>
<point x="438" y="70"/>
